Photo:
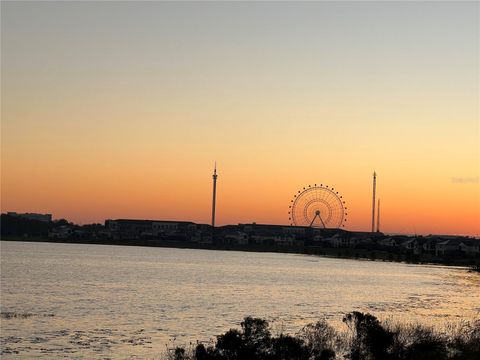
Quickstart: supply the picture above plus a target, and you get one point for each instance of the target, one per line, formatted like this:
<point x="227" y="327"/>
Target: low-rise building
<point x="413" y="245"/>
<point x="172" y="227"/>
<point x="388" y="242"/>
<point x="363" y="242"/>
<point x="447" y="247"/>
<point x="337" y="241"/>
<point x="428" y="246"/>
<point x="61" y="232"/>
<point x="136" y="229"/>
<point x="263" y="229"/>
<point x="236" y="238"/>
<point x="470" y="246"/>
<point x="279" y="239"/>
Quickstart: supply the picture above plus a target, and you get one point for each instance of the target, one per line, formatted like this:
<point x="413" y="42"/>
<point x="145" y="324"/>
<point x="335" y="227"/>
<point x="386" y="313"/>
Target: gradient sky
<point x="119" y="110"/>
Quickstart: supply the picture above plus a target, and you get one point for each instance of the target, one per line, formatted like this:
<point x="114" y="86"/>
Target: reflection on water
<point x="106" y="301"/>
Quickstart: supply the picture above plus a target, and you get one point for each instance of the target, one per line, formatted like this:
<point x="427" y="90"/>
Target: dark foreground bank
<point x="366" y="338"/>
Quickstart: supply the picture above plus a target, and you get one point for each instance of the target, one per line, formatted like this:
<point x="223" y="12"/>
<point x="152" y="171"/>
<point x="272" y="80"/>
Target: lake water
<point x="96" y="301"/>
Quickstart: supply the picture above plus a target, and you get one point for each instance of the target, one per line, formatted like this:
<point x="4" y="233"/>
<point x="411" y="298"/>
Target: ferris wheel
<point x="318" y="206"/>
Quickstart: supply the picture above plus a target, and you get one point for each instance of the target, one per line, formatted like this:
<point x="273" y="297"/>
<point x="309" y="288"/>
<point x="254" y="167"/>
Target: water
<point x="96" y="301"/>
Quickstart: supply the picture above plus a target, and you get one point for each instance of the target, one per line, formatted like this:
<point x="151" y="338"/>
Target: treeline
<point x="366" y="339"/>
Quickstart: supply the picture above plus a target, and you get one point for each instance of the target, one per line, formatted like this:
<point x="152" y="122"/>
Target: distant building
<point x="336" y="241"/>
<point x="446" y="247"/>
<point x="32" y="216"/>
<point x="470" y="246"/>
<point x="267" y="229"/>
<point x="413" y="245"/>
<point x="236" y="238"/>
<point x="136" y="229"/>
<point x="276" y="234"/>
<point x="428" y="246"/>
<point x="61" y="232"/>
<point x="202" y="236"/>
<point x="388" y="241"/>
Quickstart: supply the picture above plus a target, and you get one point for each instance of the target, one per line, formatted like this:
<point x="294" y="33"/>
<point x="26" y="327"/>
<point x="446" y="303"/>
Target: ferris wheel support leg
<point x="322" y="221"/>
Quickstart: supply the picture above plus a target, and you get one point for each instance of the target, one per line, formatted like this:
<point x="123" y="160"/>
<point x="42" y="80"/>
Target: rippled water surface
<point x="97" y="301"/>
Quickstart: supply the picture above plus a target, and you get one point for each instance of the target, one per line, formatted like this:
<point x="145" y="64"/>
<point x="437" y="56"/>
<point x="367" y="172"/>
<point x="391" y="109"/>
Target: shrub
<point x="418" y="342"/>
<point x="321" y="339"/>
<point x="368" y="339"/>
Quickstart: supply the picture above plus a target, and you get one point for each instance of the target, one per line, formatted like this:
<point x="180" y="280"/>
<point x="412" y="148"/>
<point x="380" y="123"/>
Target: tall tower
<point x="378" y="216"/>
<point x="214" y="194"/>
<point x="373" y="200"/>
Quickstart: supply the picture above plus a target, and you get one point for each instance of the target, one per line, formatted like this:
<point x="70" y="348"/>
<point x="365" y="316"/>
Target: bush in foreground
<point x="366" y="339"/>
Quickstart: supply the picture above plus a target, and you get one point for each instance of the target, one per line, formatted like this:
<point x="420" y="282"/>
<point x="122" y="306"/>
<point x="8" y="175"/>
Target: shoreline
<point x="333" y="253"/>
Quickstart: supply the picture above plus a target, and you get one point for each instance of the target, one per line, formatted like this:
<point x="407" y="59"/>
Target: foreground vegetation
<point x="366" y="339"/>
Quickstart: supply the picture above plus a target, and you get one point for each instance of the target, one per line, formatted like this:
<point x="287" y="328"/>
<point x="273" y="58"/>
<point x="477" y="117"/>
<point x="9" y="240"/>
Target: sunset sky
<point x="119" y="110"/>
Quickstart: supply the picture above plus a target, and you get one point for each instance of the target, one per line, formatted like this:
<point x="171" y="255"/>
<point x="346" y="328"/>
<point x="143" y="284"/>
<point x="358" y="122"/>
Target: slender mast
<point x="373" y="200"/>
<point x="378" y="216"/>
<point x="214" y="193"/>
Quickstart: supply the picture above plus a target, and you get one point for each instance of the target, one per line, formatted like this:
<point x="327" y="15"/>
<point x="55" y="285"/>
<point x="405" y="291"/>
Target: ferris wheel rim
<point x="336" y="205"/>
